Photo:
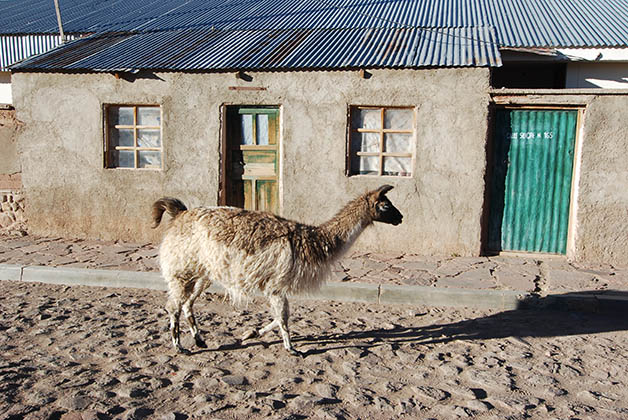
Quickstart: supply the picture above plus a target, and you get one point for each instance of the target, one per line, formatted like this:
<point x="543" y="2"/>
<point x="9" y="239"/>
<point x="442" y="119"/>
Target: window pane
<point x="122" y="137"/>
<point x="247" y="129"/>
<point x="397" y="166"/>
<point x="398" y="119"/>
<point x="395" y="142"/>
<point x="369" y="165"/>
<point x="121" y="115"/>
<point x="123" y="159"/>
<point x="370" y="142"/>
<point x="149" y="159"/>
<point x="366" y="118"/>
<point x="262" y="129"/>
<point x="148" y="138"/>
<point x="149" y="116"/>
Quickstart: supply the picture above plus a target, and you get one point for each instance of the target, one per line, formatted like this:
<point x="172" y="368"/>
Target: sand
<point x="100" y="353"/>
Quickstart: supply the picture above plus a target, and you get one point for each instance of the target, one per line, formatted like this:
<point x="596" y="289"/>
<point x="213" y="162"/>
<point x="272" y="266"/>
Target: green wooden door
<point x="252" y="169"/>
<point x="531" y="180"/>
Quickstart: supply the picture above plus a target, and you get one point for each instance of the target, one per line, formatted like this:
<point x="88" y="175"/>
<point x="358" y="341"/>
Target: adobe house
<point x="495" y="139"/>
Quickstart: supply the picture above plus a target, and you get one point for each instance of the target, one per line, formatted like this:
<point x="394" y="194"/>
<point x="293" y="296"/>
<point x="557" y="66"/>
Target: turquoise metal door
<point x="531" y="181"/>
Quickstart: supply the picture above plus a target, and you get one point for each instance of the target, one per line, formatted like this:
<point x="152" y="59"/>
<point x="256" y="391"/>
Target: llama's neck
<point x="344" y="228"/>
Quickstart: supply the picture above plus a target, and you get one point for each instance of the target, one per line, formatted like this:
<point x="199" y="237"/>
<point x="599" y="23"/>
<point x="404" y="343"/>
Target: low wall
<point x="12" y="218"/>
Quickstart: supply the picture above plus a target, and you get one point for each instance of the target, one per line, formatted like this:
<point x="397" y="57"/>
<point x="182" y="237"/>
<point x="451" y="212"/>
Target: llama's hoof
<point x="249" y="334"/>
<point x="296" y="352"/>
<point x="184" y="351"/>
<point x="200" y="342"/>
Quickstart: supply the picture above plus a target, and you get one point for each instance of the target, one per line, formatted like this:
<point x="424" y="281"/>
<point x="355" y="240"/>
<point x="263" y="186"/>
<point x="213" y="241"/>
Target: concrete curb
<point x="341" y="291"/>
<point x="89" y="277"/>
<point x="430" y="296"/>
<point x="10" y="272"/>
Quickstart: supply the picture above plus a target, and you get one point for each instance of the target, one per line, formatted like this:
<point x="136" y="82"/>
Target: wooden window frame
<point x="109" y="148"/>
<point x="381" y="131"/>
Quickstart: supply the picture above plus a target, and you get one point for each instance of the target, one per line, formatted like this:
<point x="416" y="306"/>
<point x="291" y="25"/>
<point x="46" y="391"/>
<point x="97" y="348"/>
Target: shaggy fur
<point x="248" y="251"/>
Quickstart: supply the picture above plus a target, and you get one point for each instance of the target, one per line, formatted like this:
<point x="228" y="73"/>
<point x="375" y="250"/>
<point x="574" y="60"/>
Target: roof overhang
<point x="595" y="54"/>
<point x="521" y="54"/>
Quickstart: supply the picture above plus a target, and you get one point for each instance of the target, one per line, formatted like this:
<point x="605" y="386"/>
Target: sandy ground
<point x="98" y="353"/>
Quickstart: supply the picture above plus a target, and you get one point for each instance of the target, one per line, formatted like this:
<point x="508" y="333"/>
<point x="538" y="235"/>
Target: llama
<point x="248" y="251"/>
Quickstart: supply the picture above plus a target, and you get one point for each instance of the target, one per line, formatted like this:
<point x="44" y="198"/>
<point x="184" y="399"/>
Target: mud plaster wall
<point x="9" y="125"/>
<point x="71" y="194"/>
<point x="602" y="226"/>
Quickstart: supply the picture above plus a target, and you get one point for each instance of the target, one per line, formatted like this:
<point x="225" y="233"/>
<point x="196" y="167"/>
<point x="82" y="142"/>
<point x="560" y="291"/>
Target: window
<point x="133" y="137"/>
<point x="381" y="141"/>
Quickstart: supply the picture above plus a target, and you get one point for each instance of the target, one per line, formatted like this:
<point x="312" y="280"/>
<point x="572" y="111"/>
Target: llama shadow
<point x="551" y="316"/>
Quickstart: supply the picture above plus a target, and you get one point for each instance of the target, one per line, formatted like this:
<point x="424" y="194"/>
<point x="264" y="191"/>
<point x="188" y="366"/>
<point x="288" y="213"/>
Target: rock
<point x="72" y="415"/>
<point x="425" y="392"/>
<point x="75" y="403"/>
<point x="463" y="412"/>
<point x="234" y="380"/>
<point x="39" y="398"/>
<point x="595" y="395"/>
<point x="276" y="404"/>
<point x="569" y="371"/>
<point x="134" y="392"/>
<point x="140" y="413"/>
<point x="279" y="396"/>
<point x="382" y="404"/>
<point x="489" y="378"/>
<point x="449" y="370"/>
<point x="410" y="407"/>
<point x="478" y="405"/>
<point x="91" y="415"/>
<point x="350" y="368"/>
<point x="326" y="390"/>
<point x="206" y="383"/>
<point x="308" y="399"/>
<point x="172" y="416"/>
<point x="258" y="375"/>
<point x="5" y="220"/>
<point x="331" y="414"/>
<point x="419" y="278"/>
<point x="207" y="398"/>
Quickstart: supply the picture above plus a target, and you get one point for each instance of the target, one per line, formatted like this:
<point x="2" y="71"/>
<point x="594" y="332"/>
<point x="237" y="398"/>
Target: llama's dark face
<point x="385" y="211"/>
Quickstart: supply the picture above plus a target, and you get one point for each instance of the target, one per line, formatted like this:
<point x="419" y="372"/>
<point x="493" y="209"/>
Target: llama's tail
<point x="171" y="205"/>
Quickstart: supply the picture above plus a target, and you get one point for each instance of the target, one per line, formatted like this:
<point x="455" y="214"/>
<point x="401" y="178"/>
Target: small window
<point x="133" y="137"/>
<point x="381" y="141"/>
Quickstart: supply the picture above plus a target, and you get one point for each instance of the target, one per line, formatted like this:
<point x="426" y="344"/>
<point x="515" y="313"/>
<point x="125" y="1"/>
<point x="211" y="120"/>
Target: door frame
<point x="575" y="176"/>
<point x="224" y="153"/>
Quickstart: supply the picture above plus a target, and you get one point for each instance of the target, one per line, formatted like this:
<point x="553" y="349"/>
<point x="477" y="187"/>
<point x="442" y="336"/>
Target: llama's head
<point x="381" y="207"/>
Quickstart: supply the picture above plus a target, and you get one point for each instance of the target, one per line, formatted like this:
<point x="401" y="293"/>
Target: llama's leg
<point x="174" y="311"/>
<point x="260" y="332"/>
<point x="281" y="313"/>
<point x="189" y="313"/>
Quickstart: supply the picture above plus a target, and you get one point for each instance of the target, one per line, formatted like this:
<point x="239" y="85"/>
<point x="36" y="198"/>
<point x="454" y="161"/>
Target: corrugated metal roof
<point x="291" y="34"/>
<point x="518" y="23"/>
<point x="275" y="49"/>
<point x="14" y="48"/>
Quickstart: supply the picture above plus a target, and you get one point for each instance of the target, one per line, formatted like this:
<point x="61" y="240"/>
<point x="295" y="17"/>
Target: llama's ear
<point x="381" y="191"/>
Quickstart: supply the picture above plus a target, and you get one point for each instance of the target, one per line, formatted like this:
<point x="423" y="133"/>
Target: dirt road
<point x="97" y="353"/>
